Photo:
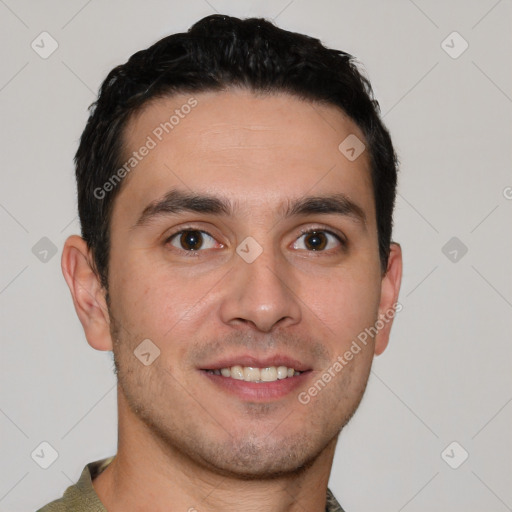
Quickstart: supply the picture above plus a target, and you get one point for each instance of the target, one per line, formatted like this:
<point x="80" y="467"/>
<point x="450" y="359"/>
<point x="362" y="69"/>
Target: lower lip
<point x="258" y="391"/>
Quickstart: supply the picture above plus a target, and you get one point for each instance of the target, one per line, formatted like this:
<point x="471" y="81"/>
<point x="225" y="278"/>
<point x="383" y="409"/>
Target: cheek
<point x="345" y="302"/>
<point x="153" y="300"/>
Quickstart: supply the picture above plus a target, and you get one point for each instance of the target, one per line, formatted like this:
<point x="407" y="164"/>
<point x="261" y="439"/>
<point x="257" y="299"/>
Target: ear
<point x="389" y="305"/>
<point x="89" y="297"/>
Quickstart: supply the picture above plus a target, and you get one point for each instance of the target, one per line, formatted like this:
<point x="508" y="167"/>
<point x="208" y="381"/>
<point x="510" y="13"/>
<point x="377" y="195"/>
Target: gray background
<point x="446" y="375"/>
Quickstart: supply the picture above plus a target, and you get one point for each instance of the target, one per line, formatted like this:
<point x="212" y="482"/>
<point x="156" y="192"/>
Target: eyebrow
<point x="176" y="201"/>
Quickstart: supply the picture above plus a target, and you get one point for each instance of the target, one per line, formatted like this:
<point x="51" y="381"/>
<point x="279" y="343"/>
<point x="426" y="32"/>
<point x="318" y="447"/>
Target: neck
<point x="148" y="474"/>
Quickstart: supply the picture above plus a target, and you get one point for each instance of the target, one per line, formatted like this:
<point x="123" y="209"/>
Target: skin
<point x="182" y="439"/>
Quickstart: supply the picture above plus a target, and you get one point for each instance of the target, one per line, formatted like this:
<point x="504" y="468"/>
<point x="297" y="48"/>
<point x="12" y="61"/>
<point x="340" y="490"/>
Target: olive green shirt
<point x="81" y="497"/>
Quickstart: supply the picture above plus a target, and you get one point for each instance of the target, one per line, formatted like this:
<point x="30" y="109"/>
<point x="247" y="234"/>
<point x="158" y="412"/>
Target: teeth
<point x="237" y="372"/>
<point x="268" y="374"/>
<point x="282" y="372"/>
<point x="252" y="374"/>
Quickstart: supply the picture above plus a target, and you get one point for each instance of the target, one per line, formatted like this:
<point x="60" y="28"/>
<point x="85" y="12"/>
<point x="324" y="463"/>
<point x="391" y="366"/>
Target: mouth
<point x="258" y="380"/>
<point x="254" y="374"/>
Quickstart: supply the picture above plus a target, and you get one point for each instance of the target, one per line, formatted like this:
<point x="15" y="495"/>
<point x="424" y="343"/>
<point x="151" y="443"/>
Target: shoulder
<point x="81" y="497"/>
<point x="332" y="504"/>
<point x="55" y="506"/>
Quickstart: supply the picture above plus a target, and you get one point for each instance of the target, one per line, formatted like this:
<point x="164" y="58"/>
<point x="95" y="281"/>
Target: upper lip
<point x="257" y="362"/>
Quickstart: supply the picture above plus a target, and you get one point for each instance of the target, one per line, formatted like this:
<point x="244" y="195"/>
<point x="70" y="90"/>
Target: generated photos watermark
<point x="152" y="140"/>
<point x="355" y="348"/>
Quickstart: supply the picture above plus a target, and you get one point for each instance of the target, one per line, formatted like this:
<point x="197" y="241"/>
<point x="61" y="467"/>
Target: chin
<point x="254" y="458"/>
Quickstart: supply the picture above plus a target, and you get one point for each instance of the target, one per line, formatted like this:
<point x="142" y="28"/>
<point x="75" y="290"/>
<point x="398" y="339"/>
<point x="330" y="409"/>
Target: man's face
<point x="207" y="306"/>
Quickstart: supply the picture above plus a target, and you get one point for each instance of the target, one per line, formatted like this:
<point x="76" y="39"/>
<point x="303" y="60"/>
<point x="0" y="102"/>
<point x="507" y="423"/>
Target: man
<point x="235" y="192"/>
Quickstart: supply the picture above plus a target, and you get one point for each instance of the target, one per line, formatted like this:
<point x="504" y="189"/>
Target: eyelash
<point x="341" y="240"/>
<point x="195" y="254"/>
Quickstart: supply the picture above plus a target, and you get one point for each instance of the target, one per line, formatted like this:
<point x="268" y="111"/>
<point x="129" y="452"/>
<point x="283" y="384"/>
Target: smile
<point x="253" y="374"/>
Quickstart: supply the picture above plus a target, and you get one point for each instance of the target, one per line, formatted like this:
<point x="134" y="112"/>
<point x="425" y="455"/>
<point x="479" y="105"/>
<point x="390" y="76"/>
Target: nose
<point x="260" y="294"/>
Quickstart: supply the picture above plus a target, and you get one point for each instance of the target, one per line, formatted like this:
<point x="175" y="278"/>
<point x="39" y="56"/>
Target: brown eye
<point x="192" y="240"/>
<point x="315" y="241"/>
<point x="318" y="240"/>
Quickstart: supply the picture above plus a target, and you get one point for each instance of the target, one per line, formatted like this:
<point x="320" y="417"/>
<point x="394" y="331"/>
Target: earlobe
<point x="389" y="305"/>
<point x="87" y="293"/>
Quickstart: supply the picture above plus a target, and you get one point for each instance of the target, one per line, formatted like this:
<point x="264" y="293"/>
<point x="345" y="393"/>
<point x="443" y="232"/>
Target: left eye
<point x="317" y="240"/>
<point x="192" y="240"/>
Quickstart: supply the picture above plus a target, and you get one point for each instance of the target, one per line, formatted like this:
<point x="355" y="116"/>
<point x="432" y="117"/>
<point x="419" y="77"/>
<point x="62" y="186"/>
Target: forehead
<point x="252" y="149"/>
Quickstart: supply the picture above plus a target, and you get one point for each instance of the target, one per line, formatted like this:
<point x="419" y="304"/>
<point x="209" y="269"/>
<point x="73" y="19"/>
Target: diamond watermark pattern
<point x="454" y="45"/>
<point x="249" y="249"/>
<point x="44" y="250"/>
<point x="44" y="455"/>
<point x="352" y="147"/>
<point x="454" y="455"/>
<point x="146" y="352"/>
<point x="44" y="45"/>
<point x="454" y="249"/>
